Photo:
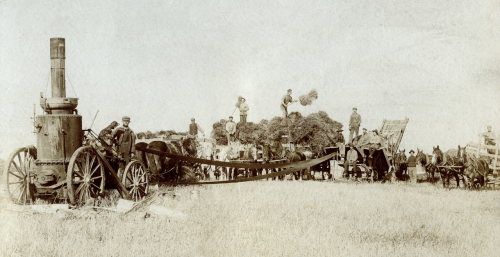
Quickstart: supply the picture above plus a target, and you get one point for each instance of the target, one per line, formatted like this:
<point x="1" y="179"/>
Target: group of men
<point x="371" y="140"/>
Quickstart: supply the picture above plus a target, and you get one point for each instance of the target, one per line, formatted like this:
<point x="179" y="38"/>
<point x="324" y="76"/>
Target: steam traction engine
<point x="61" y="166"/>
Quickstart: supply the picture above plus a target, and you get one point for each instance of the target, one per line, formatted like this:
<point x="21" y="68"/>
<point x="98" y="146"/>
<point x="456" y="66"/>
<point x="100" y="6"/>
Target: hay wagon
<point x="69" y="163"/>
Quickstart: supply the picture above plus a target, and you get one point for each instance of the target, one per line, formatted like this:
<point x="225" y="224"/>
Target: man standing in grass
<point x="351" y="160"/>
<point x="125" y="143"/>
<point x="412" y="167"/>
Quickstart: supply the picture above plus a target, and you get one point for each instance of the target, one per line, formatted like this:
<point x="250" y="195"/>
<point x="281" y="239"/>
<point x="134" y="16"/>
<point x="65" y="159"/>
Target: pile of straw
<point x="309" y="98"/>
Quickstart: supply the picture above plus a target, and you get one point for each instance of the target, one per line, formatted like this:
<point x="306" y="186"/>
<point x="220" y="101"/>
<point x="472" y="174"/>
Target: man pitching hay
<point x="285" y="102"/>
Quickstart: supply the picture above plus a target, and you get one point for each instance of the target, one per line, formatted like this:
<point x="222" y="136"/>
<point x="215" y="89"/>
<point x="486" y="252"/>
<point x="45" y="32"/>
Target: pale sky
<point x="436" y="62"/>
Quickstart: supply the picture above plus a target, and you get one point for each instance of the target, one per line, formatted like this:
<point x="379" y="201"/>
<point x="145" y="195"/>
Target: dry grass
<point x="270" y="218"/>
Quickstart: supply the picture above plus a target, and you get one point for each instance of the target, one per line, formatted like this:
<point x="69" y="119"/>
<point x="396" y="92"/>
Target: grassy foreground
<point x="270" y="218"/>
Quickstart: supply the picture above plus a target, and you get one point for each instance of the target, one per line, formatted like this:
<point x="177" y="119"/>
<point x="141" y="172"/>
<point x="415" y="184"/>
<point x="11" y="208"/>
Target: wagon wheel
<point x="16" y="173"/>
<point x="85" y="178"/>
<point x="136" y="180"/>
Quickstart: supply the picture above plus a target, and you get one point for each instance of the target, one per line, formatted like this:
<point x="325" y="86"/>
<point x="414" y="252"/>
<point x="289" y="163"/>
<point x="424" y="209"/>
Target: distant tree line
<point x="159" y="134"/>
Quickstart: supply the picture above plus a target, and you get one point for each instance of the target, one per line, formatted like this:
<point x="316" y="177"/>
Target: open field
<point x="270" y="218"/>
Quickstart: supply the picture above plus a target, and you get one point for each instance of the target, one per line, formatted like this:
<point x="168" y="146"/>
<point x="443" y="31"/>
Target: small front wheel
<point x="136" y="180"/>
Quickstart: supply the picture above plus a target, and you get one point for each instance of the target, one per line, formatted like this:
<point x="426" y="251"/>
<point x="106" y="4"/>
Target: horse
<point x="476" y="171"/>
<point x="438" y="158"/>
<point x="169" y="169"/>
<point x="297" y="156"/>
<point x="401" y="165"/>
<point x="321" y="167"/>
<point x="422" y="160"/>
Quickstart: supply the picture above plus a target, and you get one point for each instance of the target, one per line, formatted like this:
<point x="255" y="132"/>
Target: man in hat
<point x="412" y="167"/>
<point x="243" y="110"/>
<point x="364" y="141"/>
<point x="124" y="138"/>
<point x="351" y="160"/>
<point x="489" y="139"/>
<point x="354" y="123"/>
<point x="193" y="129"/>
<point x="231" y="129"/>
<point x="375" y="143"/>
<point x="340" y="142"/>
<point x="285" y="102"/>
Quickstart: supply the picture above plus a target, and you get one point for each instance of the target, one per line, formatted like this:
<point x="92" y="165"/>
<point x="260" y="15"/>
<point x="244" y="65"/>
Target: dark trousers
<point x="243" y="118"/>
<point x="355" y="170"/>
<point x="373" y="148"/>
<point x="122" y="165"/>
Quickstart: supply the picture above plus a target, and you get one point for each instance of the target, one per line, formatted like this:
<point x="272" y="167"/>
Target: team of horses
<point x="467" y="167"/>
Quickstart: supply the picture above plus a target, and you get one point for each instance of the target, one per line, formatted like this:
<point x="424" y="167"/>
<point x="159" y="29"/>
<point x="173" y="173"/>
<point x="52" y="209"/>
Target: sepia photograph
<point x="250" y="128"/>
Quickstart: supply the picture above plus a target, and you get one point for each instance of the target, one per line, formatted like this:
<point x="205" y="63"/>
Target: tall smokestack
<point x="57" y="65"/>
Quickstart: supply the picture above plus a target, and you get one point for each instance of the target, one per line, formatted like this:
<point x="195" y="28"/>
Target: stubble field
<point x="272" y="218"/>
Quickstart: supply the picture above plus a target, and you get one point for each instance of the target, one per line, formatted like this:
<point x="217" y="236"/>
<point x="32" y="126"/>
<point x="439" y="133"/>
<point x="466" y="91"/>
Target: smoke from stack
<point x="308" y="98"/>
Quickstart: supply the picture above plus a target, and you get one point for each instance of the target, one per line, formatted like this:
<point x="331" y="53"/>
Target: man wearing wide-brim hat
<point x="412" y="167"/>
<point x="354" y="123"/>
<point x="340" y="142"/>
<point x="375" y="143"/>
<point x="243" y="110"/>
<point x="125" y="143"/>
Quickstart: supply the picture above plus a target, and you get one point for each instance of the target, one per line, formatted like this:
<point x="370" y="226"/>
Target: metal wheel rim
<point x="85" y="178"/>
<point x="17" y="175"/>
<point x="136" y="180"/>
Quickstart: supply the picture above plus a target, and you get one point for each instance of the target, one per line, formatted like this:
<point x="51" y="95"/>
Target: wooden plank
<point x="386" y="157"/>
<point x="121" y="188"/>
<point x="481" y="146"/>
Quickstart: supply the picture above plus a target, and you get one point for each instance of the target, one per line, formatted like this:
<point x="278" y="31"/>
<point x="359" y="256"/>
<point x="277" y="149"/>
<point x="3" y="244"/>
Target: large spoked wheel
<point x="136" y="180"/>
<point x="85" y="178"/>
<point x="16" y="174"/>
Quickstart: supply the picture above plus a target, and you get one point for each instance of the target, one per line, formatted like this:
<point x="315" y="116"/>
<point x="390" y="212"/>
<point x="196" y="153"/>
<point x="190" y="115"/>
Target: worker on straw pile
<point x="364" y="141"/>
<point x="285" y="102"/>
<point x="375" y="143"/>
<point x="489" y="139"/>
<point x="351" y="160"/>
<point x="243" y="110"/>
<point x="193" y="129"/>
<point x="354" y="123"/>
<point x="125" y="143"/>
<point x="340" y="142"/>
<point x="412" y="167"/>
<point x="230" y="129"/>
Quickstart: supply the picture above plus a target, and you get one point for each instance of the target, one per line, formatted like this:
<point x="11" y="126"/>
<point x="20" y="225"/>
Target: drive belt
<point x="297" y="166"/>
<point x="232" y="164"/>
